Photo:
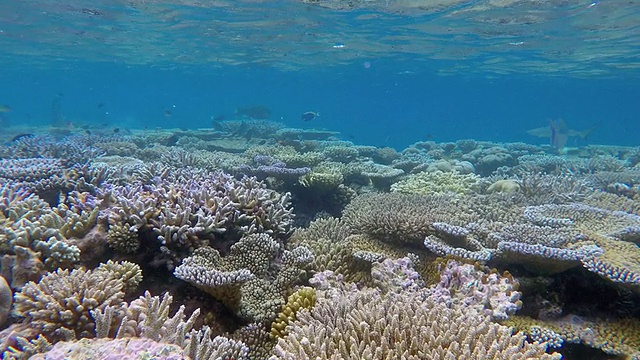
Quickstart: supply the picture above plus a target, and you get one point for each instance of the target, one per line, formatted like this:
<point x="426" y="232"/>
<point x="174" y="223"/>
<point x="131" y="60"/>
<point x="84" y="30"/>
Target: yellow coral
<point x="303" y="298"/>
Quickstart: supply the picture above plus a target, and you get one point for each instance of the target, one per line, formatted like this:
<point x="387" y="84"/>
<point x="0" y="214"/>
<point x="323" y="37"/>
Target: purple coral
<point x="464" y="283"/>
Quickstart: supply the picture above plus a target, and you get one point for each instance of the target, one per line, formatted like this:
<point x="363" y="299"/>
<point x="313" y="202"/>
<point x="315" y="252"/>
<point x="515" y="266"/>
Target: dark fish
<point x="167" y="113"/>
<point x="88" y="132"/>
<point x="219" y="117"/>
<point x="559" y="134"/>
<point x="309" y="115"/>
<point x="100" y="105"/>
<point x="116" y="130"/>
<point x="547" y="131"/>
<point x="22" y="136"/>
<point x="262" y="142"/>
<point x="5" y="108"/>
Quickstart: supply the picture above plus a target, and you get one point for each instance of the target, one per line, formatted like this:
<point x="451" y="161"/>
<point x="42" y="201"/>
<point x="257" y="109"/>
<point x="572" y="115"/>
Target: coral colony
<point x="293" y="244"/>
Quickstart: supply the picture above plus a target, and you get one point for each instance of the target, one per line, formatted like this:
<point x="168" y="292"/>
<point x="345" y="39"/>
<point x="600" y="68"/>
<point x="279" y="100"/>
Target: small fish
<point x="309" y="115"/>
<point x="5" y="108"/>
<point x="88" y="132"/>
<point x="22" y="136"/>
<point x="167" y="113"/>
<point x="219" y="117"/>
<point x="100" y="105"/>
<point x="116" y="130"/>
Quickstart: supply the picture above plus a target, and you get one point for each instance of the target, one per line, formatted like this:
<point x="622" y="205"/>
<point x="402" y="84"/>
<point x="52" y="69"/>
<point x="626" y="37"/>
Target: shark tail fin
<point x="584" y="134"/>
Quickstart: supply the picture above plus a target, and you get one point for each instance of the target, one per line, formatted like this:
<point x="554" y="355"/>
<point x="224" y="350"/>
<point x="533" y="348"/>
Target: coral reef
<point x="6" y="300"/>
<point x="241" y="280"/>
<point x="62" y="301"/>
<point x="387" y="254"/>
<point x="350" y="323"/>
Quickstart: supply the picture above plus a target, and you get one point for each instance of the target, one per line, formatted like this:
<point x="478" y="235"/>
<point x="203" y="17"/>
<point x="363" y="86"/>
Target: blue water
<point x="383" y="76"/>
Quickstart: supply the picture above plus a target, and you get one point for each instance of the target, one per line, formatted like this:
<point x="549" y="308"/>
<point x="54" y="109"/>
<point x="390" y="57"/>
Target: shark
<point x="559" y="133"/>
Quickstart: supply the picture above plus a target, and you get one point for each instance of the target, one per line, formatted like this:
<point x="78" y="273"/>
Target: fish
<point x="558" y="132"/>
<point x="309" y="115"/>
<point x="5" y="108"/>
<point x="167" y="113"/>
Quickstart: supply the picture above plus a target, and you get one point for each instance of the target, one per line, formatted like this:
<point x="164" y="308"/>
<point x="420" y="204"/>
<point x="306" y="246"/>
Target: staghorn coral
<point x="539" y="188"/>
<point x="438" y="182"/>
<point x="32" y="229"/>
<point x="368" y="324"/>
<point x="248" y="280"/>
<point x="62" y="301"/>
<point x="402" y="218"/>
<point x="143" y="328"/>
<point x="187" y="208"/>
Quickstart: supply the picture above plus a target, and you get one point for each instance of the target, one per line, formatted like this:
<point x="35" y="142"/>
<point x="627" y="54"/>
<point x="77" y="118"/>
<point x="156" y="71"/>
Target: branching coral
<point x="436" y="183"/>
<point x="187" y="208"/>
<point x="63" y="300"/>
<point x="249" y="280"/>
<point x="368" y="324"/>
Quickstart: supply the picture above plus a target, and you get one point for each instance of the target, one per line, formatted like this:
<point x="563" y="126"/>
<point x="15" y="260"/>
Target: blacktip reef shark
<point x="559" y="133"/>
